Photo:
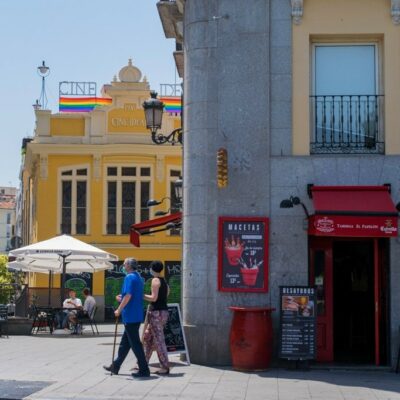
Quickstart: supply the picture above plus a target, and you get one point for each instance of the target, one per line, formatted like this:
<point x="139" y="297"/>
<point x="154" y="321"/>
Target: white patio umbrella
<point x="61" y="254"/>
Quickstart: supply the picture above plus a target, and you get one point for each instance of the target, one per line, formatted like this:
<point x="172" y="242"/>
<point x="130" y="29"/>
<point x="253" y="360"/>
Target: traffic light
<point x="222" y="168"/>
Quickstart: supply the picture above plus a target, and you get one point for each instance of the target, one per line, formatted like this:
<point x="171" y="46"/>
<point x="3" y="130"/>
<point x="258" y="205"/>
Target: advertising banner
<point x="243" y="254"/>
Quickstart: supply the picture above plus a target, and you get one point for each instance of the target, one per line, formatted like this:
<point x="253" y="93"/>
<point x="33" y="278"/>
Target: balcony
<point x="179" y="59"/>
<point x="350" y="124"/>
<point x="171" y="15"/>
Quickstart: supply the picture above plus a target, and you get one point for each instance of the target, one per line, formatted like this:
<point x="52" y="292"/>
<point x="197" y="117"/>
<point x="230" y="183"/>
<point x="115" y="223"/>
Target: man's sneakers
<point x="112" y="368"/>
<point x="141" y="374"/>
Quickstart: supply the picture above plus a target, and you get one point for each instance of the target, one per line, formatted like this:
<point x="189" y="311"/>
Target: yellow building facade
<point x="91" y="174"/>
<point x="345" y="23"/>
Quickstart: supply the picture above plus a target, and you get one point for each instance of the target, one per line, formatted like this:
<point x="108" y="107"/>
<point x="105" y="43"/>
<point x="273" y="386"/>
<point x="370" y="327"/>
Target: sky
<point x="85" y="40"/>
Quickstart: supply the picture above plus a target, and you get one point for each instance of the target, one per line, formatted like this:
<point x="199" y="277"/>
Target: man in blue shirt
<point x="131" y="309"/>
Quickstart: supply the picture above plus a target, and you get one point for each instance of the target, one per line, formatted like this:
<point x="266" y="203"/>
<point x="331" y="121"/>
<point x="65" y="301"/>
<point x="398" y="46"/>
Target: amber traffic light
<point x="222" y="168"/>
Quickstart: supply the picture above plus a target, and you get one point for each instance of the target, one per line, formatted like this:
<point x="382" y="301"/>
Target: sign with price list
<point x="297" y="334"/>
<point x="243" y="254"/>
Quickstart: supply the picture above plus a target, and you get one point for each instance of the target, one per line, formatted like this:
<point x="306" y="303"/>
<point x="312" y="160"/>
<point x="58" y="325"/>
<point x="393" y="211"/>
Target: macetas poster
<point x="243" y="254"/>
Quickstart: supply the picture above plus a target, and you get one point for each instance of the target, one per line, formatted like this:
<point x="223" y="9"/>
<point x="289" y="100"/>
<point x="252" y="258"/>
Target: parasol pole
<point x="49" y="300"/>
<point x="63" y="275"/>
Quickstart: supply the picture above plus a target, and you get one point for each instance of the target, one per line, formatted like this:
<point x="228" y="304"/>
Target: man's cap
<point x="131" y="263"/>
<point x="157" y="266"/>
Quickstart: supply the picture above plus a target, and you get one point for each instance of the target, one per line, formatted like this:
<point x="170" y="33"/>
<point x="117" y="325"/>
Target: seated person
<point x="86" y="311"/>
<point x="72" y="303"/>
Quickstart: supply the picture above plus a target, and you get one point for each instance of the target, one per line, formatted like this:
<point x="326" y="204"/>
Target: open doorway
<point x="353" y="301"/>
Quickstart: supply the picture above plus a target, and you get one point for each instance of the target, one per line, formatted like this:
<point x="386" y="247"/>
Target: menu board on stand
<point x="297" y="333"/>
<point x="174" y="333"/>
<point x="243" y="254"/>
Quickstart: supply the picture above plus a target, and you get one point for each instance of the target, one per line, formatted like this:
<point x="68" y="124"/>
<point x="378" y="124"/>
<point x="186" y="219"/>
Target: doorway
<point x="351" y="277"/>
<point x="353" y="302"/>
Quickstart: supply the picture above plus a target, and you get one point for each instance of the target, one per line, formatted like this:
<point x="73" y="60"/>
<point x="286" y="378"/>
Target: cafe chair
<point x="3" y="320"/>
<point x="88" y="319"/>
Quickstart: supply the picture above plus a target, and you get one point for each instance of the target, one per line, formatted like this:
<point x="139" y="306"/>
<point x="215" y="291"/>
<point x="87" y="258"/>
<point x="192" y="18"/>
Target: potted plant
<point x="249" y="271"/>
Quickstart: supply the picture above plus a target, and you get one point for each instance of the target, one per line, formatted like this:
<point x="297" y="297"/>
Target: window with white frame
<point x="127" y="193"/>
<point x="174" y="174"/>
<point x="74" y="201"/>
<point x="346" y="104"/>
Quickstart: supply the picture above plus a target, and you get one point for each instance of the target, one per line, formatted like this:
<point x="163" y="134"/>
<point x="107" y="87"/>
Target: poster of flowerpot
<point x="243" y="254"/>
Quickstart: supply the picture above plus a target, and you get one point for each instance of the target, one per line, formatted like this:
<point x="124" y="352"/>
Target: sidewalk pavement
<point x="70" y="367"/>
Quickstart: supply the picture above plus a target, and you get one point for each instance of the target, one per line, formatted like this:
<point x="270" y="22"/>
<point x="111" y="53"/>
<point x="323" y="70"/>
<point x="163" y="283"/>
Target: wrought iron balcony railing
<point x="347" y="124"/>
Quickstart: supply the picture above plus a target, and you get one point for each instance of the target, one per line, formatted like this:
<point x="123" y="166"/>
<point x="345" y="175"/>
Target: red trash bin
<point x="251" y="338"/>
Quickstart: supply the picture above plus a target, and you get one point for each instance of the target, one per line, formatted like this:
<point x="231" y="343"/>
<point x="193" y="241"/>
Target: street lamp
<point x="178" y="188"/>
<point x="152" y="202"/>
<point x="293" y="201"/>
<point x="153" y="111"/>
<point x="37" y="105"/>
<point x="176" y="200"/>
<point x="43" y="71"/>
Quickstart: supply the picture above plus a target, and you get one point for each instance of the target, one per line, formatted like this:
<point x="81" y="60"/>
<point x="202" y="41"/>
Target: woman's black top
<point x="161" y="303"/>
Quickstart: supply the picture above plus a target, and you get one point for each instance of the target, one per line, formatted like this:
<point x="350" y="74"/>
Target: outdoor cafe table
<point x="46" y="316"/>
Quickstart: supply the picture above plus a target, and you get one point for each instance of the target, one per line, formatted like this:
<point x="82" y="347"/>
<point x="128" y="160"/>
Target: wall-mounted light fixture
<point x="294" y="201"/>
<point x="152" y="202"/>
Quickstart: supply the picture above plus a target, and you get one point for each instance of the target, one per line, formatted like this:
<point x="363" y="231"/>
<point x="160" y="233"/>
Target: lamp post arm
<point x="176" y="136"/>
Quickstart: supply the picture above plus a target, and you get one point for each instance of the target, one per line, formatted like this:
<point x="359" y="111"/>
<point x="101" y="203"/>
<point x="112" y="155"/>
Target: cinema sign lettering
<point x="127" y="119"/>
<point x="68" y="88"/>
<point x="127" y="122"/>
<point x="353" y="225"/>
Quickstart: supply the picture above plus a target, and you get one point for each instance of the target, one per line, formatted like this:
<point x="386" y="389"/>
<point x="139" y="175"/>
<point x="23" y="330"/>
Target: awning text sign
<point x="353" y="226"/>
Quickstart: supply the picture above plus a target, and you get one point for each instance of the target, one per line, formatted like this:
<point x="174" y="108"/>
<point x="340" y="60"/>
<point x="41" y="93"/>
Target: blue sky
<point x="86" y="40"/>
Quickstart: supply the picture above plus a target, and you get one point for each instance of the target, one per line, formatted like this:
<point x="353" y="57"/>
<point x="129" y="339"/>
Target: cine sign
<point x="66" y="88"/>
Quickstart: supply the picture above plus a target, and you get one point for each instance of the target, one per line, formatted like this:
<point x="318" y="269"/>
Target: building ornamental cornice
<point x="110" y="149"/>
<point x="298" y="8"/>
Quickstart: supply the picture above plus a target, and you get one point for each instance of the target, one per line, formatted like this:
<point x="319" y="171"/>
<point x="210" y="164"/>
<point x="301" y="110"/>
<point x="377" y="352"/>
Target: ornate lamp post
<point x="43" y="71"/>
<point x="153" y="109"/>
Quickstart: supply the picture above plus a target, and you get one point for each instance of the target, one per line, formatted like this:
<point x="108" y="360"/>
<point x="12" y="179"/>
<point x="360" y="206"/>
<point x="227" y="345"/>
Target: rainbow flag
<point x="81" y="104"/>
<point x="173" y="105"/>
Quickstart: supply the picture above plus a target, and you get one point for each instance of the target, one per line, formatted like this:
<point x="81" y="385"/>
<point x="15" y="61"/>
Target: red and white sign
<point x="353" y="226"/>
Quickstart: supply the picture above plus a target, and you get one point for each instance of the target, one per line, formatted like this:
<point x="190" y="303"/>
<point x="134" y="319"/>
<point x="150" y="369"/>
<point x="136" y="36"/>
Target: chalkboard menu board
<point x="114" y="280"/>
<point x="297" y="335"/>
<point x="243" y="254"/>
<point x="174" y="279"/>
<point x="78" y="282"/>
<point x="174" y="334"/>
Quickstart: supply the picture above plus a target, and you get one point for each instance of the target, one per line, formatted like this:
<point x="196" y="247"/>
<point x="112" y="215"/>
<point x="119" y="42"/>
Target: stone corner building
<point x="303" y="96"/>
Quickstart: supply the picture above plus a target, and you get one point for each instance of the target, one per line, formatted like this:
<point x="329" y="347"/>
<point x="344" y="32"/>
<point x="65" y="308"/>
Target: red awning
<point x="357" y="211"/>
<point x="143" y="227"/>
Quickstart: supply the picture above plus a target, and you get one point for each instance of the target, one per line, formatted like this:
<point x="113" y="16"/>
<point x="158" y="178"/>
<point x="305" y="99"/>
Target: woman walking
<point x="153" y="338"/>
